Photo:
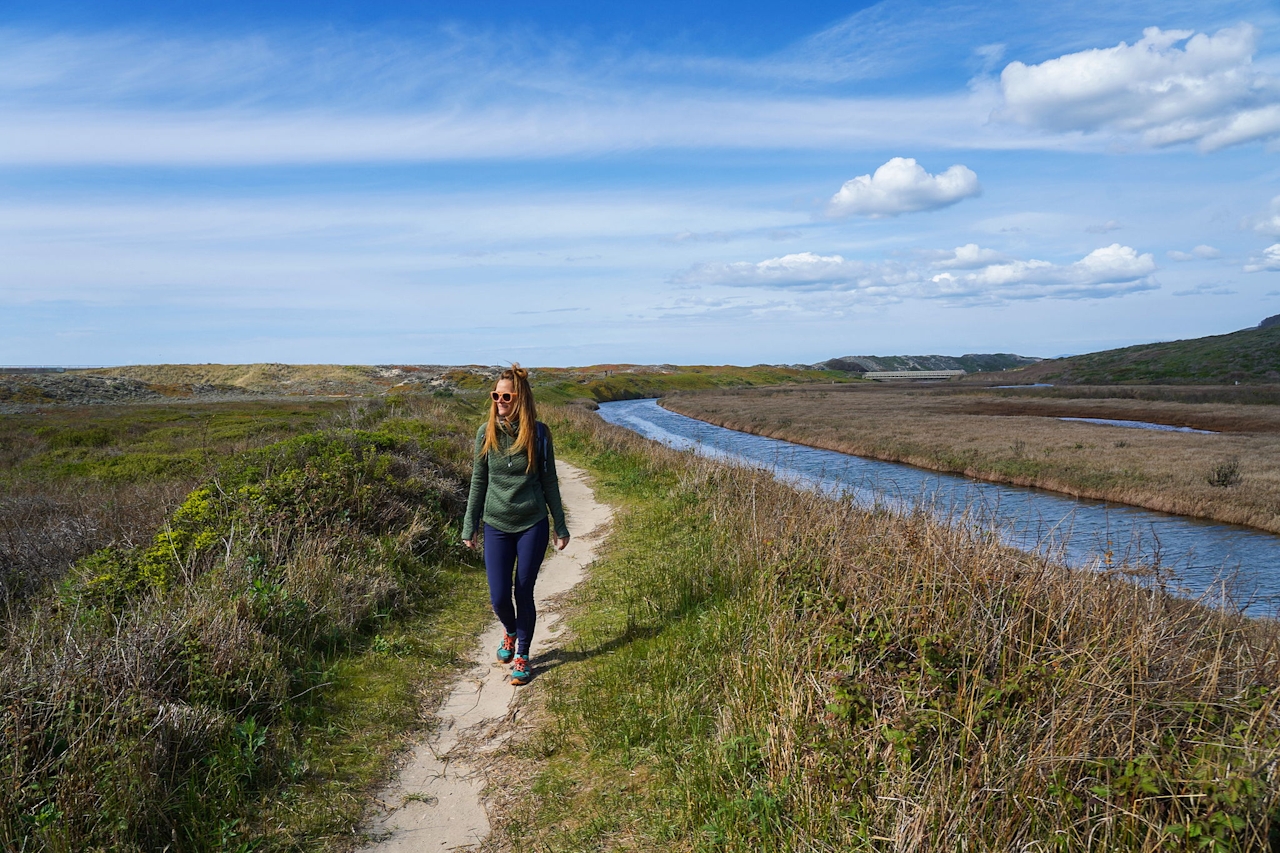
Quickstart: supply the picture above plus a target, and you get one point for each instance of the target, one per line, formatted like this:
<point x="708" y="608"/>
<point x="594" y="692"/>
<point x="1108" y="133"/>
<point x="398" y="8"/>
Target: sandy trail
<point x="436" y="803"/>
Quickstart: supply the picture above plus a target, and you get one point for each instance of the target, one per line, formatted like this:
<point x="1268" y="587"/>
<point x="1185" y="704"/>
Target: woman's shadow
<point x="560" y="655"/>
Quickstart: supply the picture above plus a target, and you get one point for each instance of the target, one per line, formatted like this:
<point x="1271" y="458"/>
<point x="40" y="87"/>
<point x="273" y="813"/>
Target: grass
<point x="752" y="667"/>
<point x="757" y="668"/>
<point x="606" y="383"/>
<point x="1244" y="395"/>
<point x="1249" y="356"/>
<point x="76" y="479"/>
<point x="375" y="698"/>
<point x="600" y="383"/>
<point x="1017" y="438"/>
<point x="238" y="678"/>
<point x="275" y="378"/>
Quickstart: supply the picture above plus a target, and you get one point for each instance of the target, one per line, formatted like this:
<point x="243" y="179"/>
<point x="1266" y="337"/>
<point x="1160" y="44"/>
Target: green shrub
<point x="158" y="698"/>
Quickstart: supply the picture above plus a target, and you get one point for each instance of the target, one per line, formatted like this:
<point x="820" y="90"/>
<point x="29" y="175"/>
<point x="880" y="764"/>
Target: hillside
<point x="970" y="362"/>
<point x="1251" y="356"/>
<point x="24" y="388"/>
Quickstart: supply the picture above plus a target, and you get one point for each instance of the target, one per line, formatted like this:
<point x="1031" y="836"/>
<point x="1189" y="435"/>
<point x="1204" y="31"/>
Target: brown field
<point x="1016" y="438"/>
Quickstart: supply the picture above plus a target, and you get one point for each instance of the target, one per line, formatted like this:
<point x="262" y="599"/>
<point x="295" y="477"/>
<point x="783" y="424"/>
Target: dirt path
<point x="437" y="802"/>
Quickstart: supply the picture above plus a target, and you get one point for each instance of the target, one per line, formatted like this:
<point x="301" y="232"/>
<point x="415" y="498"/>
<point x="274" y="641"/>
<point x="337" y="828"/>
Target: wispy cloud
<point x="624" y="123"/>
<point x="1199" y="253"/>
<point x="142" y="98"/>
<point x="326" y="247"/>
<point x="1103" y="227"/>
<point x="1206" y="289"/>
<point x="135" y="98"/>
<point x="966" y="274"/>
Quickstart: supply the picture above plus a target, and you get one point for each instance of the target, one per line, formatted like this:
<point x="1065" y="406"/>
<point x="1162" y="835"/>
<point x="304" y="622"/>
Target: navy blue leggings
<point x="522" y="552"/>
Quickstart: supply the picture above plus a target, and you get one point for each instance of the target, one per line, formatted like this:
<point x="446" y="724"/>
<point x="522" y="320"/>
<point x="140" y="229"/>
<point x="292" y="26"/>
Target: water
<point x="1138" y="425"/>
<point x="1201" y="555"/>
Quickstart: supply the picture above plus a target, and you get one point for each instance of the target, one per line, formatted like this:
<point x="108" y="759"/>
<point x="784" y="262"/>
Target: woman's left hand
<point x="560" y="543"/>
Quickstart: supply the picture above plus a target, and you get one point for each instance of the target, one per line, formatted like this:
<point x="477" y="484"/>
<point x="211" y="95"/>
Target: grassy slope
<point x="755" y="668"/>
<point x="251" y="377"/>
<point x="1249" y="356"/>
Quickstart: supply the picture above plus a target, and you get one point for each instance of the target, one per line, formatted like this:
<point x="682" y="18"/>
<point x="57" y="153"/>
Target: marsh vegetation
<point x="76" y="479"/>
<point x="1015" y="436"/>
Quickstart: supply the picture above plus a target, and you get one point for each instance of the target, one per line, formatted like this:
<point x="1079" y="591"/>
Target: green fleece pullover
<point x="507" y="497"/>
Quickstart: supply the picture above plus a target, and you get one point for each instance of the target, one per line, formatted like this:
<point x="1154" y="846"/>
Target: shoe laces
<point x="520" y="664"/>
<point x="508" y="643"/>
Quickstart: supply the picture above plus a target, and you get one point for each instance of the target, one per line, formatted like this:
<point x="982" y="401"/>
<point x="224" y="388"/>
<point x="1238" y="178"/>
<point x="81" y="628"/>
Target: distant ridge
<point x="970" y="363"/>
<point x="1250" y="356"/>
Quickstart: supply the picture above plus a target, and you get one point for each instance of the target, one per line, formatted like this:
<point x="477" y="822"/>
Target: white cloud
<point x="1206" y="91"/>
<point x="1199" y="253"/>
<point x="903" y="186"/>
<point x="1268" y="261"/>
<point x="1267" y="225"/>
<point x="968" y="257"/>
<point x="1109" y="271"/>
<point x="795" y="271"/>
<point x="981" y="276"/>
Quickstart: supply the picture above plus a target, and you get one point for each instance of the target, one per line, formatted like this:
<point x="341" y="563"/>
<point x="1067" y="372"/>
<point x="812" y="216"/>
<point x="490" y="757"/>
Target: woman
<point x="513" y="485"/>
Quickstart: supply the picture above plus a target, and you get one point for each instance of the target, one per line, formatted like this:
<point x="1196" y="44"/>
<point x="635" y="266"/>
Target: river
<point x="1205" y="557"/>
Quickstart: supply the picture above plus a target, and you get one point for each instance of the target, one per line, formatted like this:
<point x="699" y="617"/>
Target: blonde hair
<point x="523" y="412"/>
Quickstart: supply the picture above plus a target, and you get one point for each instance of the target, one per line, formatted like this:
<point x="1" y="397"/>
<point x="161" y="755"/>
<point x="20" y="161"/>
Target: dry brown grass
<point x="1018" y="440"/>
<point x="47" y="526"/>
<point x="761" y="668"/>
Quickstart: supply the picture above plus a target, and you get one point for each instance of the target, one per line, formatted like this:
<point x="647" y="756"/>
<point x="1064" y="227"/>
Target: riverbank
<point x="1018" y="439"/>
<point x="754" y="667"/>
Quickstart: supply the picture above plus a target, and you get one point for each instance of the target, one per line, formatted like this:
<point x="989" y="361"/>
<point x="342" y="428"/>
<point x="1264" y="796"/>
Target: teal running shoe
<point x="507" y="650"/>
<point x="521" y="672"/>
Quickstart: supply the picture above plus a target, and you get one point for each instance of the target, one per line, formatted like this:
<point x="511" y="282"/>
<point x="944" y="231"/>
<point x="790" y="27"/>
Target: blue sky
<point x="572" y="183"/>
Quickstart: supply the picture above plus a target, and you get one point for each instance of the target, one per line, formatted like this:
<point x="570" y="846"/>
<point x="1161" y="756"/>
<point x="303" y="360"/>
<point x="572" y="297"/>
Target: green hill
<point x="971" y="362"/>
<point x="1250" y="356"/>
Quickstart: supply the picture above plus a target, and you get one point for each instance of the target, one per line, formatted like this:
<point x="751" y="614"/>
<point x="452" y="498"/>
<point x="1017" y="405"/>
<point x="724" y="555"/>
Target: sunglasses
<point x="504" y="397"/>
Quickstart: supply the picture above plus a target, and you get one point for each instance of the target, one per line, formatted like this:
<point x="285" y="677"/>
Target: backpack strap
<point x="544" y="444"/>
